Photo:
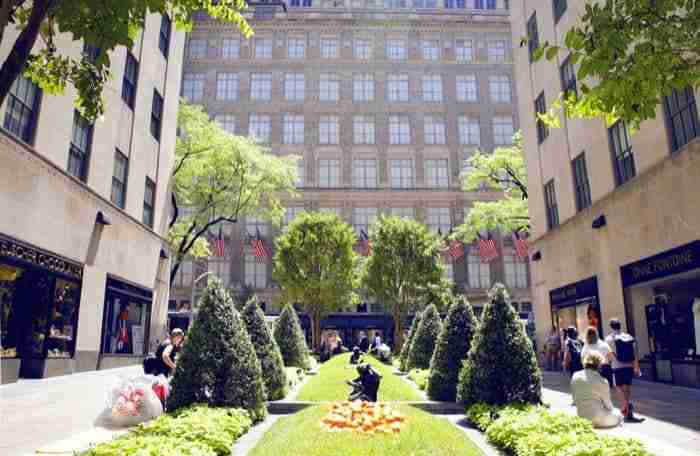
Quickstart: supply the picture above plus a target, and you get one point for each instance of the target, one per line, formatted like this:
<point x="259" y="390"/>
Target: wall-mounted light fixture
<point x="102" y="219"/>
<point x="163" y="254"/>
<point x="599" y="222"/>
<point x="537" y="256"/>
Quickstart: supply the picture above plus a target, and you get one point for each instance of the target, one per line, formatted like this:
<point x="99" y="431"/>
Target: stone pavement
<point x="55" y="413"/>
<point x="672" y="414"/>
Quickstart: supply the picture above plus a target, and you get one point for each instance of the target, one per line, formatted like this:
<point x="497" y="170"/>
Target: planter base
<point x="44" y="368"/>
<point x="10" y="370"/>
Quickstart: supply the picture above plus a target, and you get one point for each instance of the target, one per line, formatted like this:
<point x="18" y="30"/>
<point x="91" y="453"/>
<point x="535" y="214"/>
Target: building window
<point x="329" y="86"/>
<point x="478" y="272"/>
<point x="80" y="145"/>
<point x="582" y="187"/>
<point x="226" y="86"/>
<point x="131" y="74"/>
<point x="515" y="271"/>
<point x="291" y="213"/>
<point x="149" y="202"/>
<point x="230" y="48"/>
<point x="255" y="272"/>
<point x="329" y="48"/>
<point x="401" y="173"/>
<point x="396" y="49"/>
<point x="254" y="225"/>
<point x="22" y="109"/>
<point x="503" y="131"/>
<point x="184" y="276"/>
<point x="425" y="3"/>
<point x="259" y="127"/>
<point x="542" y="129"/>
<point x="193" y="87"/>
<point x="467" y="88"/>
<point x="434" y="130"/>
<point x="363" y="129"/>
<point x="328" y="130"/>
<point x="395" y="4"/>
<point x="294" y="86"/>
<point x="156" y="114"/>
<point x="227" y="122"/>
<point x="301" y="3"/>
<point x="497" y="51"/>
<point x="559" y="7"/>
<point x="363" y="218"/>
<point x="263" y="48"/>
<point x="464" y="51"/>
<point x="550" y="204"/>
<point x="364" y="173"/>
<point x="221" y="268"/>
<point x="499" y="88"/>
<point x="568" y="77"/>
<point x="436" y="173"/>
<point x="301" y="173"/>
<point x="119" y="179"/>
<point x="622" y="152"/>
<point x="126" y="319"/>
<point x="399" y="130"/>
<point x="403" y="212"/>
<point x="533" y="36"/>
<point x="196" y="49"/>
<point x="292" y="129"/>
<point x="681" y="117"/>
<point x="437" y="219"/>
<point x="362" y="49"/>
<point x="329" y="173"/>
<point x="397" y="87"/>
<point x="261" y="86"/>
<point x="432" y="87"/>
<point x="430" y="49"/>
<point x="455" y="4"/>
<point x="469" y="131"/>
<point x="296" y="48"/>
<point x="164" y="36"/>
<point x="363" y="87"/>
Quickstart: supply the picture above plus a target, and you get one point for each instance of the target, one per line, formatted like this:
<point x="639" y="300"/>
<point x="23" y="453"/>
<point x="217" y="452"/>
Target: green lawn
<point x="329" y="384"/>
<point x="300" y="434"/>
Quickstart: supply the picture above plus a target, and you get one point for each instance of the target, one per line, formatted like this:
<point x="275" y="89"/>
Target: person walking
<point x="552" y="349"/>
<point x="363" y="342"/>
<point x="572" y="351"/>
<point x="591" y="393"/>
<point x="593" y="344"/>
<point x="625" y="365"/>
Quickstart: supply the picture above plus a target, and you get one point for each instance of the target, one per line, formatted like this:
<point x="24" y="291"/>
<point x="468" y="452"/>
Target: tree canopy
<point x="219" y="177"/>
<point x="106" y="25"/>
<point x="317" y="267"/>
<point x="630" y="53"/>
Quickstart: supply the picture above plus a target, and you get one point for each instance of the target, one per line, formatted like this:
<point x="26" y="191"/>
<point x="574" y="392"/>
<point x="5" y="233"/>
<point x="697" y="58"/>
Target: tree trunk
<point x="315" y="332"/>
<point x="174" y="269"/>
<point x="398" y="333"/>
<point x="19" y="54"/>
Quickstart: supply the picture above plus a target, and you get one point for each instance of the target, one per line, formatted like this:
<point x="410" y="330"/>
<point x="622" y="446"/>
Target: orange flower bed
<point x="363" y="417"/>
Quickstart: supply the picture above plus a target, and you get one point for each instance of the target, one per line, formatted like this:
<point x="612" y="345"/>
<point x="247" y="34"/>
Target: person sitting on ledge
<point x="591" y="393"/>
<point x="356" y="357"/>
<point x="366" y="386"/>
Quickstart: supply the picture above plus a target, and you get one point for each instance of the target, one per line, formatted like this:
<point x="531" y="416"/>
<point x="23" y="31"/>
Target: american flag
<point x="455" y="249"/>
<point x="522" y="247"/>
<point x="218" y="245"/>
<point x="364" y="245"/>
<point x="258" y="243"/>
<point x="487" y="249"/>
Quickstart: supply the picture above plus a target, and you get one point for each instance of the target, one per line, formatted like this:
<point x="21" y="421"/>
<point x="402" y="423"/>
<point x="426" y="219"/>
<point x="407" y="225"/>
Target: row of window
<point x="417" y="4"/>
<point x="395" y="49"/>
<point x="364" y="128"/>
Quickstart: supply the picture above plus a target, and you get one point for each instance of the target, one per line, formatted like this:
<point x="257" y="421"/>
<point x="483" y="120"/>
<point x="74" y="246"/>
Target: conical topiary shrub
<point x="403" y="357"/>
<point x="423" y="344"/>
<point x="451" y="350"/>
<point x="266" y="348"/>
<point x="501" y="366"/>
<point x="290" y="339"/>
<point x="218" y="364"/>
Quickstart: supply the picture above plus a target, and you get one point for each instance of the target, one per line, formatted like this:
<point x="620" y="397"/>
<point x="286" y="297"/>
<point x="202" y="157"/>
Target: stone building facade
<point x="615" y="214"/>
<point x="83" y="261"/>
<point x="384" y="102"/>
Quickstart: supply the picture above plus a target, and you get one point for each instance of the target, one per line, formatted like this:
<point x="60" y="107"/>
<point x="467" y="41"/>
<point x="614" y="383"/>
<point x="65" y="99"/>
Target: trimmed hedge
<point x="423" y="344"/>
<point x="406" y="349"/>
<point x="419" y="377"/>
<point x="290" y="339"/>
<point x="451" y="350"/>
<point x="267" y="351"/>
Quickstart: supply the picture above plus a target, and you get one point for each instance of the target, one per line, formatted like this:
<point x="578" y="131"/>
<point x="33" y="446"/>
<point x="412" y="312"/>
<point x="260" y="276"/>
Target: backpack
<point x="624" y="348"/>
<point x="575" y="348"/>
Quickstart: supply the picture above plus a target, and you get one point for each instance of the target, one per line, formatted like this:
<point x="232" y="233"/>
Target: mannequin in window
<point x="123" y="331"/>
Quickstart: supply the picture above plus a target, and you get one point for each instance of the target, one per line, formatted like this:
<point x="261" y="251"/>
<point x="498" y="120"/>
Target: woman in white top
<point x="596" y="344"/>
<point x="592" y="394"/>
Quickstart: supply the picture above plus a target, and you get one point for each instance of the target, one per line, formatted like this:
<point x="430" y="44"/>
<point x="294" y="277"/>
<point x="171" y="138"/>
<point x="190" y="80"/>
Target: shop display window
<point x="126" y="325"/>
<point x="8" y="325"/>
<point x="580" y="316"/>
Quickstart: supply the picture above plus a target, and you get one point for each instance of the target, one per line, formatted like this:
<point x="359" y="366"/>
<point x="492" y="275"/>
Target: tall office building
<point x="384" y="102"/>
<point x="615" y="214"/>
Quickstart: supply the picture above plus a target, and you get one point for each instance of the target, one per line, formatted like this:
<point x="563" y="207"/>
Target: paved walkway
<point x="672" y="414"/>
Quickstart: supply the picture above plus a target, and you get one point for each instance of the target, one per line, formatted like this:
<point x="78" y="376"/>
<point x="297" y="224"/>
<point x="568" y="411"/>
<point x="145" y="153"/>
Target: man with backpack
<point x="625" y="364"/>
<point x="572" y="351"/>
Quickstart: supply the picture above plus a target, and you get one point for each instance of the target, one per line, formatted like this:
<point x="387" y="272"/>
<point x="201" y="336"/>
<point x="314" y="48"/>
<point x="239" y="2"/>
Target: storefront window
<point x="576" y="305"/>
<point x="8" y="318"/>
<point x="60" y="340"/>
<point x="127" y="319"/>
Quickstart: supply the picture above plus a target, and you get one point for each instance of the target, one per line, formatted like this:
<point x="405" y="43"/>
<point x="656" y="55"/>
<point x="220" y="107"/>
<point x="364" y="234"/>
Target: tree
<point x="219" y="178"/>
<point x="267" y="351"/>
<point x="404" y="266"/>
<point x="406" y="348"/>
<point x="503" y="171"/>
<point x="630" y="53"/>
<point x="501" y="366"/>
<point x="290" y="339"/>
<point x="451" y="350"/>
<point x="106" y="24"/>
<point x="218" y="364"/>
<point x="317" y="267"/>
<point x="423" y="343"/>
